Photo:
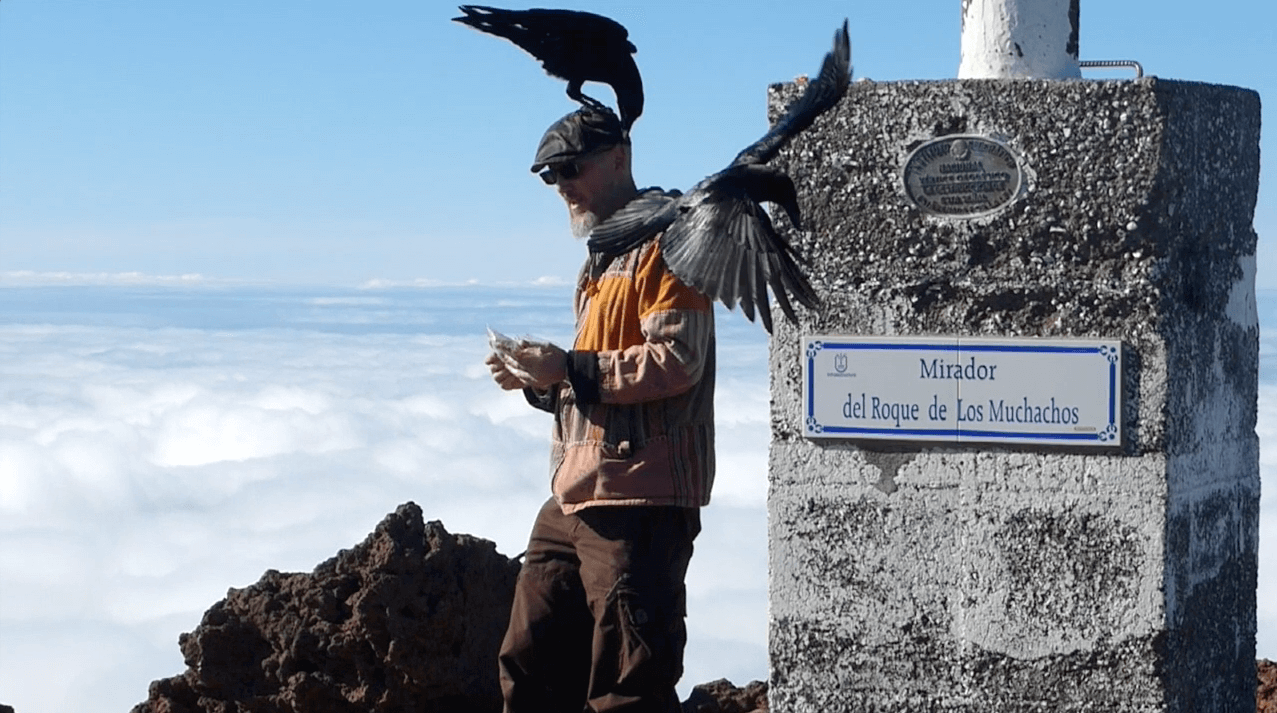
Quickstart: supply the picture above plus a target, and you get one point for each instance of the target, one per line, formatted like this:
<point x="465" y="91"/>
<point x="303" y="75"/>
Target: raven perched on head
<point x="572" y="45"/>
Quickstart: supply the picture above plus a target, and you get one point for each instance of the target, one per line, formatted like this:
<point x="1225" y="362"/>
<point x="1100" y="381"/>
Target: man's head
<point x="586" y="155"/>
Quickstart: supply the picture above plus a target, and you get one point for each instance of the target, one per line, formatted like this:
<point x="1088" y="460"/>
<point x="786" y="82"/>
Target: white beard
<point x="582" y="223"/>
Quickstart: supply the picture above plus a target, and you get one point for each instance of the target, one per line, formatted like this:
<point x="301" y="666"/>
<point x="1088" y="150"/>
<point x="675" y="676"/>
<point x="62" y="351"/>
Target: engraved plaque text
<point x="962" y="176"/>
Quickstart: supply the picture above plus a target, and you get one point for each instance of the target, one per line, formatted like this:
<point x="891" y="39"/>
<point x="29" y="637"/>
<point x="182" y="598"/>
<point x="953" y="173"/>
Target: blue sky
<point x="337" y="142"/>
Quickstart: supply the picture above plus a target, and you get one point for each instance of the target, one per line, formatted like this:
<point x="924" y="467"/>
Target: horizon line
<point x="12" y="279"/>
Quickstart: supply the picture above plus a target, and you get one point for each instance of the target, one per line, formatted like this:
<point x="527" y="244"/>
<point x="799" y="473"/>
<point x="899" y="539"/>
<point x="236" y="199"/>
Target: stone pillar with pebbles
<point x="1093" y="546"/>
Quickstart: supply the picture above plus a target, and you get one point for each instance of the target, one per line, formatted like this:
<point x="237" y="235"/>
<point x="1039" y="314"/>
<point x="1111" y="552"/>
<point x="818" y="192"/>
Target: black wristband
<point x="583" y="374"/>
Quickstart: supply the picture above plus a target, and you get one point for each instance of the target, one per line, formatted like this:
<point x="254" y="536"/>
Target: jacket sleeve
<point x="677" y="326"/>
<point x="543" y="399"/>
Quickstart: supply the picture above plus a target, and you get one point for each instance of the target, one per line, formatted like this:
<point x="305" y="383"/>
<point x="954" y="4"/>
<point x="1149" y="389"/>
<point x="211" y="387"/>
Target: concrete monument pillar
<point x="1070" y="266"/>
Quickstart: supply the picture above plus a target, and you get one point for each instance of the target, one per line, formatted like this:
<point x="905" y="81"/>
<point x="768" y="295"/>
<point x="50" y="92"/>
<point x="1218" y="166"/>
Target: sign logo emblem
<point x="840" y="363"/>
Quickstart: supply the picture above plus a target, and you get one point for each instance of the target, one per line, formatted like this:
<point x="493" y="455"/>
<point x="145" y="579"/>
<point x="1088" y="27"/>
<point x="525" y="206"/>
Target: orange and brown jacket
<point x="634" y="423"/>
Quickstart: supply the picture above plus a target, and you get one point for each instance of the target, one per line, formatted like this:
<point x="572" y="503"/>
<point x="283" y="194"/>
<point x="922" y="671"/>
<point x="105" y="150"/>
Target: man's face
<point x="588" y="187"/>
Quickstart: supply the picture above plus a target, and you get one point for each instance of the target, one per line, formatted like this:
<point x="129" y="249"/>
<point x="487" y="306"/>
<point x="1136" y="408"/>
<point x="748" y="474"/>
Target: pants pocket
<point x="633" y="627"/>
<point x="651" y="636"/>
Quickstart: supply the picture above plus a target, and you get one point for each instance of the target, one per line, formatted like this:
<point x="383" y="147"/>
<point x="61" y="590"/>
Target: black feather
<point x="572" y="45"/>
<point x="640" y="220"/>
<point x="822" y="93"/>
<point x="717" y="237"/>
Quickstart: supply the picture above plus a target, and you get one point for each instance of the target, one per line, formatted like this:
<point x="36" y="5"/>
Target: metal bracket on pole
<point x="1113" y="63"/>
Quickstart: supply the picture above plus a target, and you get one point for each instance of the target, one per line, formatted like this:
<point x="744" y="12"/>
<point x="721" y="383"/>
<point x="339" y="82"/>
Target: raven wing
<point x="572" y="45"/>
<point x="723" y="243"/>
<point x="721" y="240"/>
<point x="640" y="220"/>
<point x="822" y="94"/>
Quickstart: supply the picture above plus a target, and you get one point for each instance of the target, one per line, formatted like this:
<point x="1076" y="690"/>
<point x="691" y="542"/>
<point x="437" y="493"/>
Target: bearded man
<point x="598" y="616"/>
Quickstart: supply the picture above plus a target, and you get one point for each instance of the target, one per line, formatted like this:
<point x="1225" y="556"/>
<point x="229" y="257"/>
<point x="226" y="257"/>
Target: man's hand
<point x="535" y="364"/>
<point x="502" y="374"/>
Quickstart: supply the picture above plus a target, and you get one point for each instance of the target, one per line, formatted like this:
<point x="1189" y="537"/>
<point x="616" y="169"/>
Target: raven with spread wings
<point x="717" y="237"/>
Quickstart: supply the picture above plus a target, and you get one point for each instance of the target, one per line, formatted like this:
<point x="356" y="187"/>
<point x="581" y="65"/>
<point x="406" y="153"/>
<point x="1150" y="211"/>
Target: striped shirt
<point x="634" y="423"/>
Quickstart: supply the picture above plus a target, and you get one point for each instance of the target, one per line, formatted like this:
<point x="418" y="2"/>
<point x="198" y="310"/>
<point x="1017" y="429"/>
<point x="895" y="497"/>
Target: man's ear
<point x="620" y="156"/>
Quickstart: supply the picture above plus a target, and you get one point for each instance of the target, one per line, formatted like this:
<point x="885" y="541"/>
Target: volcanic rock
<point x="1266" y="692"/>
<point x="722" y="697"/>
<point x="411" y="619"/>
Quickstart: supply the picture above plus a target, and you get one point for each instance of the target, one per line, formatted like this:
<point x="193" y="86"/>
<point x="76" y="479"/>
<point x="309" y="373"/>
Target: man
<point x="598" y="616"/>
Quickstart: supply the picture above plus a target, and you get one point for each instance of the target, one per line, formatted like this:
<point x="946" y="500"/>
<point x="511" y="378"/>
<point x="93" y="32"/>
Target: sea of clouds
<point x="164" y="440"/>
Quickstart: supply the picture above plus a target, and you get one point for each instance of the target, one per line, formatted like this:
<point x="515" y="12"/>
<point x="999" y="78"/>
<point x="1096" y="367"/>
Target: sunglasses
<point x="570" y="169"/>
<point x="562" y="172"/>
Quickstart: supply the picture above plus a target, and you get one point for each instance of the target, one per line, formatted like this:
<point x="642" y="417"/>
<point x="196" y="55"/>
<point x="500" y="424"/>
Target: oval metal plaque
<point x="962" y="176"/>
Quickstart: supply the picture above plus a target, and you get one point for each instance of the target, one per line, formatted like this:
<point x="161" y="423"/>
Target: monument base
<point x="912" y="576"/>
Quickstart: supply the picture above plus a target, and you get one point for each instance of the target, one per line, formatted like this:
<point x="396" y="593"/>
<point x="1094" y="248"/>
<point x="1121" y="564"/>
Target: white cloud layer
<point x="159" y="445"/>
<point x="30" y="278"/>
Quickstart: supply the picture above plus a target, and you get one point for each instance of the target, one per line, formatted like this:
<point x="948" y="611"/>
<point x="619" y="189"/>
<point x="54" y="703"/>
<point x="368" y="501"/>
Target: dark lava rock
<point x="411" y="619"/>
<point x="1266" y="692"/>
<point x="722" y="697"/>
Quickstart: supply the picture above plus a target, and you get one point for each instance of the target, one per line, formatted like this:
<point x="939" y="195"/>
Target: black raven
<point x="717" y="237"/>
<point x="572" y="45"/>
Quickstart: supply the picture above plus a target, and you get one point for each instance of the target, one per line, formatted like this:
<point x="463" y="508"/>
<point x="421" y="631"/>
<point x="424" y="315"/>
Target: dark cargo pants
<point x="598" y="616"/>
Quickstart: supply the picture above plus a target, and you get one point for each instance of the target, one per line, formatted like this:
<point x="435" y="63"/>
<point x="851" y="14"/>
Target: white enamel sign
<point x="1064" y="392"/>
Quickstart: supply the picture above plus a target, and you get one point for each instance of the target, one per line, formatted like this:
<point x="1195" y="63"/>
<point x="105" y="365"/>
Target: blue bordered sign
<point x="960" y="389"/>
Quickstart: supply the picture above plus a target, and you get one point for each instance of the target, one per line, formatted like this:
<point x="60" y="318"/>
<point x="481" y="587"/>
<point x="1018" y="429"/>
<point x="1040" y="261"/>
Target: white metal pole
<point x="1023" y="39"/>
